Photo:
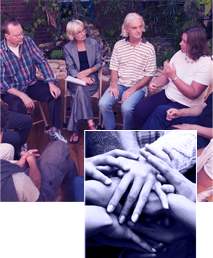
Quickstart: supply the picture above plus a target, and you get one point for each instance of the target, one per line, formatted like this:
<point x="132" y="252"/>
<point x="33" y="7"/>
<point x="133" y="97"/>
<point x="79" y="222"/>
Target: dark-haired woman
<point x="185" y="77"/>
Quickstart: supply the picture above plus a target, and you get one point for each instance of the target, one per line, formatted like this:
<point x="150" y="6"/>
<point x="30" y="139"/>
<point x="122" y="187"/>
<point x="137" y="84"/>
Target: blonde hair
<point x="73" y="27"/>
<point x="128" y="19"/>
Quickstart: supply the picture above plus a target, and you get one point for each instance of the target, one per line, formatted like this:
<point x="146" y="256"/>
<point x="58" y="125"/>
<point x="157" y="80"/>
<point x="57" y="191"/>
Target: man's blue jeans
<point x="107" y="102"/>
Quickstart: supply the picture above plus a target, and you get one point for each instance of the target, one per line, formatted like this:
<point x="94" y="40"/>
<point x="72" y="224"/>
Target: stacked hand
<point x="105" y="162"/>
<point x="26" y="156"/>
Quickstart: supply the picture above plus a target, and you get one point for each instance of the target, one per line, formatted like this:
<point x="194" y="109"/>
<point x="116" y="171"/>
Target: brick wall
<point x="23" y="12"/>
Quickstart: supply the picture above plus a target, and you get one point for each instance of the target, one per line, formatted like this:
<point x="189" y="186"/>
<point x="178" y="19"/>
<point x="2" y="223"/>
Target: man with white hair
<point x="132" y="65"/>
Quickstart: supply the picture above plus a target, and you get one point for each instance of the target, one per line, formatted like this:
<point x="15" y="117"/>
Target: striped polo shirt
<point x="133" y="62"/>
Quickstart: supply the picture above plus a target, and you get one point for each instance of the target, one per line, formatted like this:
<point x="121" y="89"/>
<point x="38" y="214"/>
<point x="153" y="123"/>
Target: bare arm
<point x="203" y="131"/>
<point x="28" y="102"/>
<point x="113" y="88"/>
<point x="129" y="141"/>
<point x="141" y="83"/>
<point x="173" y="113"/>
<point x="34" y="171"/>
<point x="191" y="91"/>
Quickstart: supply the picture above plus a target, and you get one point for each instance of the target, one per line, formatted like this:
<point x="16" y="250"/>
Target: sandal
<point x="74" y="138"/>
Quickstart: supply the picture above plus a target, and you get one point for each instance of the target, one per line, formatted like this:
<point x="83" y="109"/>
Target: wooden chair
<point x="95" y="96"/>
<point x="43" y="118"/>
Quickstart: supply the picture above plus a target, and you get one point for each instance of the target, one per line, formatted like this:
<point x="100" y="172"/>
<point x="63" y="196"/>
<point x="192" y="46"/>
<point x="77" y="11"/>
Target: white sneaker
<point x="55" y="135"/>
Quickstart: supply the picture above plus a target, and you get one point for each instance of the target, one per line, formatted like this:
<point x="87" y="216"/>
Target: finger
<point x="170" y="174"/>
<point x="96" y="174"/>
<point x="144" y="194"/>
<point x="34" y="150"/>
<point x="103" y="168"/>
<point x="159" y="153"/>
<point x="136" y="239"/>
<point x="149" y="231"/>
<point x="161" y="178"/>
<point x="167" y="188"/>
<point x="120" y="173"/>
<point x="111" y="161"/>
<point x="122" y="153"/>
<point x="161" y="194"/>
<point x="131" y="198"/>
<point x="119" y="192"/>
<point x="169" y="152"/>
<point x="53" y="93"/>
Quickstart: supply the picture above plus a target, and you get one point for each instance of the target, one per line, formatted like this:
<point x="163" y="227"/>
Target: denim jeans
<point x="107" y="102"/>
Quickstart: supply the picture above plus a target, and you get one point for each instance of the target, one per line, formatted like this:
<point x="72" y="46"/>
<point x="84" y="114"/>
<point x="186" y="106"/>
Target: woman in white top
<point x="185" y="77"/>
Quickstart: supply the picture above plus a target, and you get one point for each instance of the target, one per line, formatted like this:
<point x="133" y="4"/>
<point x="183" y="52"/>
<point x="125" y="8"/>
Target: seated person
<point x="31" y="179"/>
<point x="186" y="78"/>
<point x="198" y="118"/>
<point x="111" y="228"/>
<point x="83" y="60"/>
<point x="205" y="173"/>
<point x="132" y="65"/>
<point x="19" y="86"/>
<point x="15" y="128"/>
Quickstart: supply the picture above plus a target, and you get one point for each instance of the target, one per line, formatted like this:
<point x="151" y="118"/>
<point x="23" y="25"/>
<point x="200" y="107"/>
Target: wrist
<point x="174" y="78"/>
<point x="113" y="85"/>
<point x="51" y="84"/>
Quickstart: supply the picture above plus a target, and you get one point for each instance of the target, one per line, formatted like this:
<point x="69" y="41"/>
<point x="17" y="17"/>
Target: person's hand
<point x="153" y="87"/>
<point x="159" y="232"/>
<point x="172" y="113"/>
<point x="182" y="185"/>
<point x="140" y="179"/>
<point x="185" y="126"/>
<point x="88" y="80"/>
<point x="27" y="155"/>
<point x="169" y="70"/>
<point x="30" y="153"/>
<point x="127" y="94"/>
<point x="105" y="162"/>
<point x="122" y="232"/>
<point x="96" y="219"/>
<point x="84" y="73"/>
<point x="28" y="102"/>
<point x="97" y="193"/>
<point x="183" y="209"/>
<point x="113" y="90"/>
<point x="54" y="90"/>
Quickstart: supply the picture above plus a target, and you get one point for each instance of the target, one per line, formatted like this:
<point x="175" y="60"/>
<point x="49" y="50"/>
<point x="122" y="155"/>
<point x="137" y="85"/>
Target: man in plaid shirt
<point x="19" y="86"/>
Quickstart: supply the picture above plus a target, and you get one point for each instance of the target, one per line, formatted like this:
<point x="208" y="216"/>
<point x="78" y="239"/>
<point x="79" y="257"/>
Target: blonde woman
<point x="83" y="60"/>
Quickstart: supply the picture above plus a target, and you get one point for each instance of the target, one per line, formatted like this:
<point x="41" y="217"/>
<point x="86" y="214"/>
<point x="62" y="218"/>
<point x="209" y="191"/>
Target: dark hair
<point x="197" y="42"/>
<point x="7" y="22"/>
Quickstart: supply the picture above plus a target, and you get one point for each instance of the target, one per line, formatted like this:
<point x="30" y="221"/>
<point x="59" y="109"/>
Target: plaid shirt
<point x="19" y="73"/>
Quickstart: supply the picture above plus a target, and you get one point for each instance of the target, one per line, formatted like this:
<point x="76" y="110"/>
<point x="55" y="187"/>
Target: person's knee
<point x="126" y="109"/>
<point x="160" y="111"/>
<point x="104" y="105"/>
<point x="27" y="121"/>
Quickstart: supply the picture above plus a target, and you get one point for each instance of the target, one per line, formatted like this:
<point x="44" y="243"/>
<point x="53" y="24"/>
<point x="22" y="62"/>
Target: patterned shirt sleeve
<point x="183" y="145"/>
<point x="6" y="81"/>
<point x="40" y="61"/>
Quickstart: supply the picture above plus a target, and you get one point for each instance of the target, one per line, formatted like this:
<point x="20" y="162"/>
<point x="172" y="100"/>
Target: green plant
<point x="56" y="54"/>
